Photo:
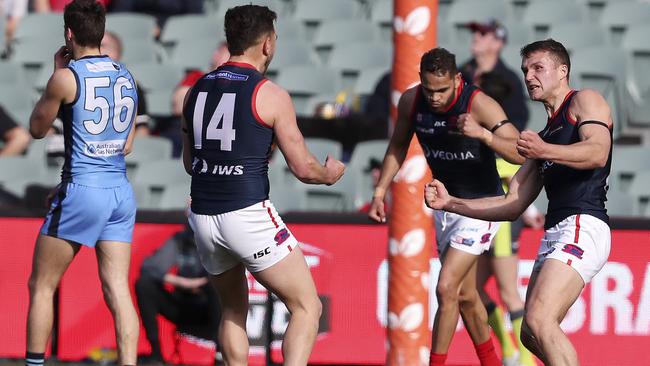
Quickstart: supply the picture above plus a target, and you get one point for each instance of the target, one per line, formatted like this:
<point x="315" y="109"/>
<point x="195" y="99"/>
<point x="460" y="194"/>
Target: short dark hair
<point x="438" y="61"/>
<point x="86" y="19"/>
<point x="556" y="49"/>
<point x="245" y="25"/>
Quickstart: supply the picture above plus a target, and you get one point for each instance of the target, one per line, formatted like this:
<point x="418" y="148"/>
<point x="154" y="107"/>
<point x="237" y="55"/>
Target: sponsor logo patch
<point x="281" y="236"/>
<point x="573" y="250"/>
<point x="228" y="75"/>
<point x="464" y="241"/>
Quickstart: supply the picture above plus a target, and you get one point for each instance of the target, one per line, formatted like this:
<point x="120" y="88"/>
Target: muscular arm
<point x="504" y="139"/>
<point x="61" y="88"/>
<point x="592" y="151"/>
<point x="398" y="145"/>
<point x="523" y="189"/>
<point x="276" y="109"/>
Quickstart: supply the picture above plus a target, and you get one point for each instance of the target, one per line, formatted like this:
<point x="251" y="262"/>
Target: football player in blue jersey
<point x="93" y="205"/>
<point x="230" y="119"/>
<point x="571" y="159"/>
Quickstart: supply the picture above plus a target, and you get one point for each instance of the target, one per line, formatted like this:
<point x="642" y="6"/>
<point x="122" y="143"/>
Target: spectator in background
<point x="219" y="57"/>
<point x="12" y="12"/>
<point x="111" y="46"/>
<point x="192" y="304"/>
<point x="44" y="6"/>
<point x="378" y="104"/>
<point x="169" y="127"/>
<point x="161" y="9"/>
<point x="488" y="39"/>
<point x="15" y="138"/>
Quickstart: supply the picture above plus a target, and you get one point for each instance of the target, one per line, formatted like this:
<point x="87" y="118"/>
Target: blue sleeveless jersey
<point x="97" y="123"/>
<point x="571" y="191"/>
<point x="230" y="144"/>
<point x="465" y="165"/>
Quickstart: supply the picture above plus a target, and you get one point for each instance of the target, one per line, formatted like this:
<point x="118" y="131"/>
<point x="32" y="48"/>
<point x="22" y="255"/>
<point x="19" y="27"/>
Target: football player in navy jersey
<point x="230" y="119"/>
<point x="571" y="159"/>
<point x="93" y="206"/>
<point x="459" y="129"/>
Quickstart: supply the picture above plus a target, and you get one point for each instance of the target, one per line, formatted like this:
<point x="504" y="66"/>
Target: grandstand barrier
<point x="609" y="324"/>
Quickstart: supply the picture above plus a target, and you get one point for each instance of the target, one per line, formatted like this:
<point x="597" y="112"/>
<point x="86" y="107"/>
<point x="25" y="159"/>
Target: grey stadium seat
<point x="603" y="69"/>
<point x="38" y="25"/>
<point x="148" y="75"/>
<point x="578" y="35"/>
<point x="304" y="81"/>
<point x="183" y="29"/>
<point x="131" y="25"/>
<point x="292" y="53"/>
<point x="543" y="14"/>
<point x="619" y="15"/>
<point x="334" y="32"/>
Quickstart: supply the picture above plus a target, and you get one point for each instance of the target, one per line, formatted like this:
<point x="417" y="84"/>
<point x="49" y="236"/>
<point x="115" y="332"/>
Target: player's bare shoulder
<point x="273" y="102"/>
<point x="63" y="84"/>
<point x="589" y="104"/>
<point x="407" y="99"/>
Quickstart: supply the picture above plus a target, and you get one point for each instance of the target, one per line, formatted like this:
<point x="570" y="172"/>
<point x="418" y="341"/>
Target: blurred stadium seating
<point x="325" y="47"/>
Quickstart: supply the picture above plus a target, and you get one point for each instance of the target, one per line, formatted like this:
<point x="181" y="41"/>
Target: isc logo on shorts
<point x="262" y="253"/>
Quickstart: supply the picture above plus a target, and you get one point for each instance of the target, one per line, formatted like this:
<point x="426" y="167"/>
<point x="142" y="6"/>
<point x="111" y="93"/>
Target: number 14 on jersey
<point x="225" y="111"/>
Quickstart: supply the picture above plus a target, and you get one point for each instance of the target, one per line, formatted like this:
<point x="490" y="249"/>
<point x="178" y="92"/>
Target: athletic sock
<point x="486" y="354"/>
<point x="437" y="359"/>
<point x="34" y="359"/>
<point x="525" y="357"/>
<point x="496" y="321"/>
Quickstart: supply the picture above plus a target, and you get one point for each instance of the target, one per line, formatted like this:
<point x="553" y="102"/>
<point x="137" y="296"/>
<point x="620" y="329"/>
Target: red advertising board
<point x="609" y="325"/>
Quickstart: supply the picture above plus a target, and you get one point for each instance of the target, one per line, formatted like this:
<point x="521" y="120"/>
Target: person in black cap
<point x="488" y="39"/>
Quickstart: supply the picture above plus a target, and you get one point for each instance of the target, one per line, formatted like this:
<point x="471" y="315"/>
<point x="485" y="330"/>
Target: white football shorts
<point x="581" y="241"/>
<point x="464" y="233"/>
<point x="255" y="236"/>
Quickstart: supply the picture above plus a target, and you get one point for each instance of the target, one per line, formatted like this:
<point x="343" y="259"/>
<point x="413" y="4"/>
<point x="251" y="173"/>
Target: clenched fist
<point x="469" y="127"/>
<point x="436" y="195"/>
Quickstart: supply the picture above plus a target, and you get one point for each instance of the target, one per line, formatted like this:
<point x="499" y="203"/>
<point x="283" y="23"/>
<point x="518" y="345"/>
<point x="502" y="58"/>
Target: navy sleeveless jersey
<point x="571" y="191"/>
<point x="97" y="123"/>
<point x="230" y="143"/>
<point x="465" y="165"/>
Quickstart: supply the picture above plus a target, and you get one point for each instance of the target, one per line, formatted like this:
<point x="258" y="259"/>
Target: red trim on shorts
<point x="240" y="64"/>
<point x="254" y="107"/>
<point x="577" y="236"/>
<point x="568" y="261"/>
<point x="268" y="209"/>
<point x="471" y="98"/>
<point x="290" y="248"/>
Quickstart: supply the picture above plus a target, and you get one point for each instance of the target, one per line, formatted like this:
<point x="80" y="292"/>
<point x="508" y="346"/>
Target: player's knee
<point x="314" y="308"/>
<point x="39" y="287"/>
<point x="447" y="292"/>
<point x="468" y="297"/>
<point x="535" y="322"/>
